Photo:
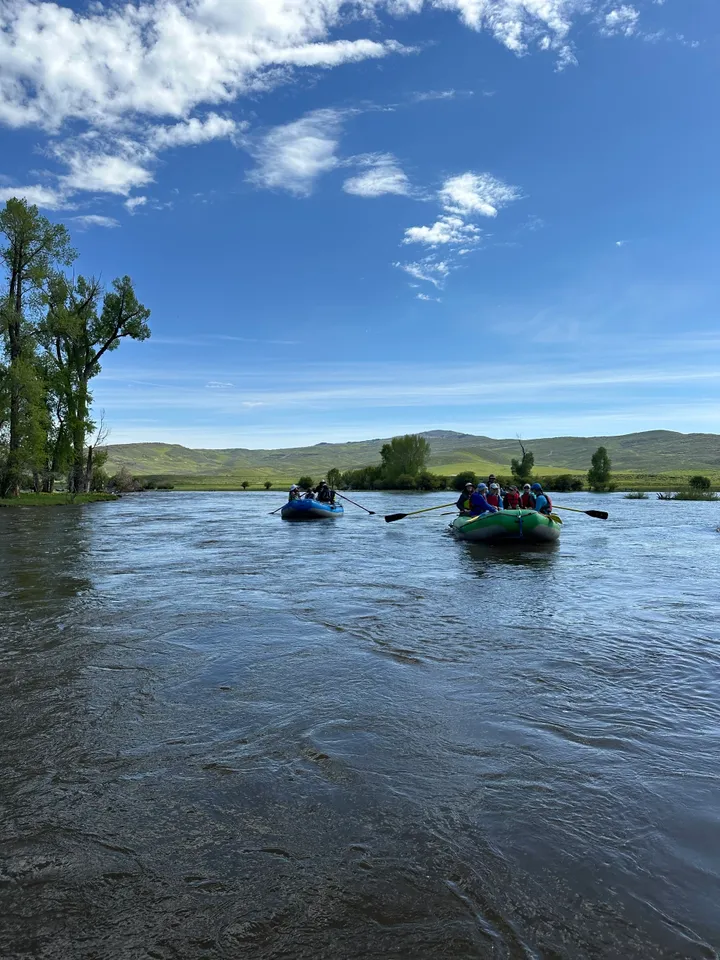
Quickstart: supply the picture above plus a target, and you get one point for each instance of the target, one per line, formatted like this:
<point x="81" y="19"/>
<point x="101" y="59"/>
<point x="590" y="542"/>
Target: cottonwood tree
<point x="83" y="323"/>
<point x="34" y="247"/>
<point x="522" y="469"/>
<point x="599" y="472"/>
<point x="405" y="456"/>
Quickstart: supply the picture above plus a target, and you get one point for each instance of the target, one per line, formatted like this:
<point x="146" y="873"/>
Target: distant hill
<point x="652" y="452"/>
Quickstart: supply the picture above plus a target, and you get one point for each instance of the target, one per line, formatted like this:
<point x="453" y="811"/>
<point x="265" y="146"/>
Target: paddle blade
<point x="392" y="517"/>
<point x="598" y="514"/>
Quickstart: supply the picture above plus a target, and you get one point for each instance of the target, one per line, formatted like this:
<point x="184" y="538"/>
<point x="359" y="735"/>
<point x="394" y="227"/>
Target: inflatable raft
<point x="507" y="525"/>
<point x="310" y="510"/>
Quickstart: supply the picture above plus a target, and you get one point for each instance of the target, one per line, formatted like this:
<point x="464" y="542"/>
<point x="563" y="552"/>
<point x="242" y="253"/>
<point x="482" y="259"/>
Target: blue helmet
<point x="481" y="486"/>
<point x="536" y="488"/>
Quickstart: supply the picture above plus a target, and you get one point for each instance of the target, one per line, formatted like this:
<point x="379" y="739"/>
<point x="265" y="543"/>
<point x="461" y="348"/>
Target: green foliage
<point x="460" y="479"/>
<point x="267" y="484"/>
<point x="636" y="495"/>
<point x="244" y="484"/>
<point x="366" y="478"/>
<point x="695" y="495"/>
<point x="565" y="483"/>
<point x="699" y="483"/>
<point x="334" y="477"/>
<point x="404" y="457"/>
<point x="522" y="469"/>
<point x="55" y="499"/>
<point x="305" y="483"/>
<point x="599" y="473"/>
<point x="430" y="481"/>
<point x="123" y="482"/>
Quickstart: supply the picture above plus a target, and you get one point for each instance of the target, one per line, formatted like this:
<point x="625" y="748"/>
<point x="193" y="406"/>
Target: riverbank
<point x="56" y="499"/>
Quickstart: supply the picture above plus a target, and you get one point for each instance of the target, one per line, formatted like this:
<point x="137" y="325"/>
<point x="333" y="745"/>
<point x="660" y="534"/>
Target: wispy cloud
<point x="383" y="175"/>
<point x="95" y="220"/>
<point x="134" y="203"/>
<point x="621" y="20"/>
<point x="292" y="156"/>
<point x="40" y="196"/>
<point x="429" y="269"/>
<point x="446" y="230"/>
<point x="478" y="194"/>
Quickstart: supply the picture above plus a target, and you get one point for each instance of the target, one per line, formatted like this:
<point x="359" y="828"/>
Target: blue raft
<point x="310" y="510"/>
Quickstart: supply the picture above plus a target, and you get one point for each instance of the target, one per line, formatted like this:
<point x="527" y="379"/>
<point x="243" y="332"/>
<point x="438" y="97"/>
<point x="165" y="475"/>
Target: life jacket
<point x="494" y="500"/>
<point x="512" y="500"/>
<point x="548" y="509"/>
<point x="527" y="500"/>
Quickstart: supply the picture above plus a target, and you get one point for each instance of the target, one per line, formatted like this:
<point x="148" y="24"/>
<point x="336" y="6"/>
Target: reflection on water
<point x="225" y="736"/>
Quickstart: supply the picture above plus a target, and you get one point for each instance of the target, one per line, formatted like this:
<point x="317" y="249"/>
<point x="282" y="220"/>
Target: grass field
<point x="55" y="499"/>
<point x="623" y="481"/>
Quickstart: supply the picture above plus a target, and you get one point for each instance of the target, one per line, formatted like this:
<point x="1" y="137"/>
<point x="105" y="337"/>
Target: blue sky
<point x="355" y="219"/>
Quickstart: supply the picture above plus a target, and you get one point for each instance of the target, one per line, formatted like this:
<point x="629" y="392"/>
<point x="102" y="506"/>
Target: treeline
<point x="403" y="466"/>
<point x="404" y="460"/>
<point x="55" y="328"/>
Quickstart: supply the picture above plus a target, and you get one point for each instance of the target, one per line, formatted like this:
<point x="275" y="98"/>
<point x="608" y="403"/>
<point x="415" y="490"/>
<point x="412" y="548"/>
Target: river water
<point x="225" y="736"/>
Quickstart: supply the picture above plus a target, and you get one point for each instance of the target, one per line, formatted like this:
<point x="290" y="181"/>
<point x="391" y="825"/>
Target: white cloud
<point x="424" y="296"/>
<point x="194" y="131"/>
<point x="446" y="230"/>
<point x="423" y="96"/>
<point x="293" y="156"/>
<point x="106" y="62"/>
<point x="384" y="175"/>
<point x="621" y="243"/>
<point x="133" y="203"/>
<point x="37" y="195"/>
<point x="94" y="220"/>
<point x="160" y="57"/>
<point x="104" y="165"/>
<point x="428" y="269"/>
<point x="218" y="385"/>
<point x="622" y="20"/>
<point x="476" y="193"/>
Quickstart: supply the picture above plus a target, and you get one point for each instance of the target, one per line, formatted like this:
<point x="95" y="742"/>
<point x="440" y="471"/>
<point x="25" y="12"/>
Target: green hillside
<point x="650" y="453"/>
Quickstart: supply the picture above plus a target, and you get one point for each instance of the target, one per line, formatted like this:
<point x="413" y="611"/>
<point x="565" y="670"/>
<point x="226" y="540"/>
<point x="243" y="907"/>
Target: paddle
<point x="371" y="512"/>
<point x="392" y="517"/>
<point x="597" y="514"/>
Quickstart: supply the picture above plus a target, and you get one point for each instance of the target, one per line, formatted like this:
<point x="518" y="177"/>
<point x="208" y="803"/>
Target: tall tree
<point x="599" y="472"/>
<point x="334" y="477"/>
<point x="406" y="455"/>
<point x="34" y="246"/>
<point x="522" y="469"/>
<point x="77" y="333"/>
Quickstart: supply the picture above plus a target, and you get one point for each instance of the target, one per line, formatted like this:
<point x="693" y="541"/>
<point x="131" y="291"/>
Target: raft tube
<point x="507" y="525"/>
<point x="310" y="510"/>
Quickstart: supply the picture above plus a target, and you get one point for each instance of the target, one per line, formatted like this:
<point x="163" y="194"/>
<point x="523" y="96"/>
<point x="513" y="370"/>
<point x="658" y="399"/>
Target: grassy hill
<point x="647" y="454"/>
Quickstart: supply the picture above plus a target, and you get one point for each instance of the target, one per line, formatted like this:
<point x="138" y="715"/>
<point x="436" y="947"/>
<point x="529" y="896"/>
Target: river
<point x="226" y="736"/>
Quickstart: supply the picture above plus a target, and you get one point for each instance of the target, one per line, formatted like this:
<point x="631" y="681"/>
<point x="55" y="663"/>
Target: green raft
<point x="507" y="525"/>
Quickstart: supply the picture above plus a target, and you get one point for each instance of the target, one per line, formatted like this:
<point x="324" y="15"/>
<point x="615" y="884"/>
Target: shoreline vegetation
<point x="57" y="499"/>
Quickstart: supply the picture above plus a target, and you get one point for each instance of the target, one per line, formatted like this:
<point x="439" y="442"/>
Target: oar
<point x="598" y="514"/>
<point x="371" y="512"/>
<point x="392" y="517"/>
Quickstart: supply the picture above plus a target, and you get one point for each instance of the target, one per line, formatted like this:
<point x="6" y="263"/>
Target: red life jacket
<point x="512" y="500"/>
<point x="494" y="500"/>
<point x="527" y="500"/>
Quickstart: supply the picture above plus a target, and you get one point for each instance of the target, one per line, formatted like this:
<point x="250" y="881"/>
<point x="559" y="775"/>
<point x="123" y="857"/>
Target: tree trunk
<point x="11" y="478"/>
<point x="78" y="438"/>
<point x="37" y="482"/>
<point x="89" y="470"/>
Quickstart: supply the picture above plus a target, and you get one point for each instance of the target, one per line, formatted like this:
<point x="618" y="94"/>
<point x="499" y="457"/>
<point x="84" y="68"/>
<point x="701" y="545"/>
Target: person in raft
<point x="494" y="498"/>
<point x="324" y="493"/>
<point x="478" y="503"/>
<point x="463" y="503"/>
<point x="527" y="498"/>
<point x="294" y="492"/>
<point x="543" y="503"/>
<point x="511" y="500"/>
<point x="309" y="494"/>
